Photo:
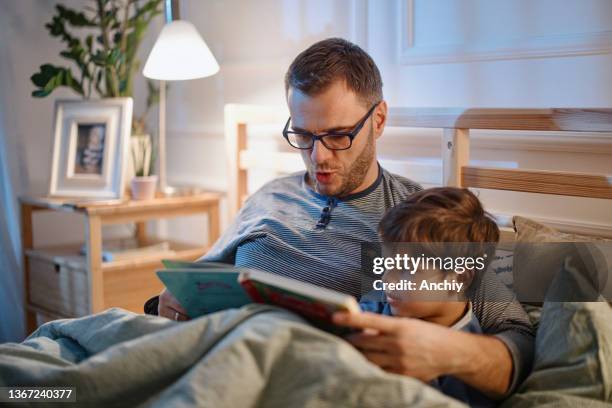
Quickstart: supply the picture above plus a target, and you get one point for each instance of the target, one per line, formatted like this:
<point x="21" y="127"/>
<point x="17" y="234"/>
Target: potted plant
<point x="103" y="54"/>
<point x="143" y="152"/>
<point x="143" y="156"/>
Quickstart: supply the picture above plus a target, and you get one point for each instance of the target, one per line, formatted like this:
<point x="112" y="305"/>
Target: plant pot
<point x="143" y="188"/>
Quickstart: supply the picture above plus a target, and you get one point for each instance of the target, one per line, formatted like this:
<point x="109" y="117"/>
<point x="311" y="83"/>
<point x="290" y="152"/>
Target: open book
<point x="207" y="287"/>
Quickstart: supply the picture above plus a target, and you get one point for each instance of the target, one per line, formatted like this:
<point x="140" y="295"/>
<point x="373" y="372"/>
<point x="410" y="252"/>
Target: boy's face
<point x="422" y="304"/>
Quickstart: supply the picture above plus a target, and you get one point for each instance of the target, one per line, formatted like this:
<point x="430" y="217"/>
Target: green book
<point x="203" y="287"/>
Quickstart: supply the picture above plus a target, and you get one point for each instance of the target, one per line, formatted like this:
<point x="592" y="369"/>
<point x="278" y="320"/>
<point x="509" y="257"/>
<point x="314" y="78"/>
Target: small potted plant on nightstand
<point x="144" y="183"/>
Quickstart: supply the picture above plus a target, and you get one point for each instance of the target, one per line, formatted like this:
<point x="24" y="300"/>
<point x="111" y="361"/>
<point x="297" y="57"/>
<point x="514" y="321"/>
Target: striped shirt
<point x="289" y="229"/>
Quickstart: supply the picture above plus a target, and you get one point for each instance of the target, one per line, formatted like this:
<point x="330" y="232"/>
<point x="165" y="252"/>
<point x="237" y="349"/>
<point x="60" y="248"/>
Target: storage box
<point x="58" y="284"/>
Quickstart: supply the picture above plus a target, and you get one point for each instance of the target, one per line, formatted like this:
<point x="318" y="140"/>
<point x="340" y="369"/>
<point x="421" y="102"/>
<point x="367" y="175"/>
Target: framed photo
<point x="90" y="148"/>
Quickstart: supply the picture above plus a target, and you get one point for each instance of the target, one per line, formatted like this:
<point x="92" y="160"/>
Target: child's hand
<point x="405" y="346"/>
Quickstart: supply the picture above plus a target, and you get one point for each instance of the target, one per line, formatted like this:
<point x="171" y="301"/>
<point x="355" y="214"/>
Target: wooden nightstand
<point x="59" y="282"/>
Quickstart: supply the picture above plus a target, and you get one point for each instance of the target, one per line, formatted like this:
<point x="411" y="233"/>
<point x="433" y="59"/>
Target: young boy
<point x="438" y="222"/>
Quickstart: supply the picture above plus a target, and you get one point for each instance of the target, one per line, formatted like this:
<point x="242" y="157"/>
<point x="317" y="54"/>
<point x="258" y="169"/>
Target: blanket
<point x="257" y="356"/>
<point x="573" y="358"/>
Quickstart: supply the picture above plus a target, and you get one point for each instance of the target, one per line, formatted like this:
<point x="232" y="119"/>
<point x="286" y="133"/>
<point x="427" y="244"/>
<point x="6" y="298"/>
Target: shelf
<point x="61" y="288"/>
<point x="122" y="206"/>
<point x="68" y="255"/>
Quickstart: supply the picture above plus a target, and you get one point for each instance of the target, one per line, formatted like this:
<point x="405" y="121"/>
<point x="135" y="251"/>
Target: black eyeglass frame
<point x="320" y="137"/>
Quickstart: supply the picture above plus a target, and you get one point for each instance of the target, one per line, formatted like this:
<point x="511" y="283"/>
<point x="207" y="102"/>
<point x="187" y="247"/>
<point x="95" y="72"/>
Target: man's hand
<point x="169" y="307"/>
<point x="405" y="346"/>
<point x="424" y="350"/>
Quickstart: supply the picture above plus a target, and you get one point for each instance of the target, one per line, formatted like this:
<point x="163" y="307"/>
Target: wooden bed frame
<point x="456" y="171"/>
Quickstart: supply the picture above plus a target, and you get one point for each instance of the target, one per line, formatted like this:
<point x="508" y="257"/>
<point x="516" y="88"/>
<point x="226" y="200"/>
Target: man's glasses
<point x="332" y="140"/>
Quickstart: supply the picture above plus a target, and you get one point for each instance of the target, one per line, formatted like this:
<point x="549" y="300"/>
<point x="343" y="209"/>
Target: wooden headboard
<point x="456" y="170"/>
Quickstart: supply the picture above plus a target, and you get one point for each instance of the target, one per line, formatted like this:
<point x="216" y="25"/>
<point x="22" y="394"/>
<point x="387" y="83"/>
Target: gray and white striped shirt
<point x="289" y="229"/>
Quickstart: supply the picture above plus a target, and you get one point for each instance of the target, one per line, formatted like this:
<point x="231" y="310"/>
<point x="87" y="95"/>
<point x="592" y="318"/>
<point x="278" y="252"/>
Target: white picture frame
<point x="91" y="141"/>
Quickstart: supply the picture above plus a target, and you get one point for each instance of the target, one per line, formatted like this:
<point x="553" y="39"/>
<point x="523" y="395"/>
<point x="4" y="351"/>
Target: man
<point x="309" y="226"/>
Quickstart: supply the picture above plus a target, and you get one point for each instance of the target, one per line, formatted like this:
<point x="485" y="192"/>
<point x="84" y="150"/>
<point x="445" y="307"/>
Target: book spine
<point x="252" y="291"/>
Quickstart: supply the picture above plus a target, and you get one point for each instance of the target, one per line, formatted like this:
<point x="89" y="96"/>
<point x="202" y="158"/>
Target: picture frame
<point x="91" y="141"/>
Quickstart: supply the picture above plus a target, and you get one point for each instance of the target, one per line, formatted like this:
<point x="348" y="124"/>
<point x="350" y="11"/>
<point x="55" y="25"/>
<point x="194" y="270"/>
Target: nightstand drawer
<point x="57" y="287"/>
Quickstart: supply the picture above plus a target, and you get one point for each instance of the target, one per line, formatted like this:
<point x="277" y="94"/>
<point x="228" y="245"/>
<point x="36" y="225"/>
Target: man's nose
<point x="319" y="152"/>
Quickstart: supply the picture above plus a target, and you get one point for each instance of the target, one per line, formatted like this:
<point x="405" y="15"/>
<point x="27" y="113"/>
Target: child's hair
<point x="442" y="214"/>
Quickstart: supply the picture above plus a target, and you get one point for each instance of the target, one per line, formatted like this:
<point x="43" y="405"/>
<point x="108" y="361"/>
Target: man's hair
<point x="333" y="59"/>
<point x="442" y="214"/>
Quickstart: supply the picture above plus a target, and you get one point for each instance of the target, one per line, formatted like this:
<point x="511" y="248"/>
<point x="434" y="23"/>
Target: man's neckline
<point x="348" y="197"/>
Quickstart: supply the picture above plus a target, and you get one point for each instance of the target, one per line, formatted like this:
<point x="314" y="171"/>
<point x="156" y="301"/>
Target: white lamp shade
<point x="180" y="53"/>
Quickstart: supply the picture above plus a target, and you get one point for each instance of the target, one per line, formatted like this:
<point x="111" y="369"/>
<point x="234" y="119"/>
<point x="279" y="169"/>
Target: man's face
<point x="337" y="172"/>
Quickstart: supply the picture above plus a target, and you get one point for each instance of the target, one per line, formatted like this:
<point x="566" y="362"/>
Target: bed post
<point x="242" y="179"/>
<point x="455" y="155"/>
<point x="235" y="142"/>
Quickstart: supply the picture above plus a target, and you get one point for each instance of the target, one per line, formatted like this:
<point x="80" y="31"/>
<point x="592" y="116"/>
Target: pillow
<point x="573" y="358"/>
<point x="573" y="350"/>
<point x="528" y="230"/>
<point x="537" y="260"/>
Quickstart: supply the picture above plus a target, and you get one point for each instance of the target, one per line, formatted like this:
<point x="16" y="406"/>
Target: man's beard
<point x="355" y="174"/>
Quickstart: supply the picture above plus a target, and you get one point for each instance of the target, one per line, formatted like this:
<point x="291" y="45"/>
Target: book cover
<point x="314" y="303"/>
<point x="207" y="287"/>
<point x="202" y="292"/>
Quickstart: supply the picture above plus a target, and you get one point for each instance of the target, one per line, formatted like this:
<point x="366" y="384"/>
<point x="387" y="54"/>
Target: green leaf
<point x="114" y="56"/>
<point x="75" y="53"/>
<point x="74" y="18"/>
<point x="99" y="58"/>
<point x="98" y="82"/>
<point x="42" y="78"/>
<point x="122" y="86"/>
<point x="70" y="82"/>
<point x="39" y="93"/>
<point x="56" y="27"/>
<point x="89" y="42"/>
<point x="54" y="81"/>
<point x="51" y="77"/>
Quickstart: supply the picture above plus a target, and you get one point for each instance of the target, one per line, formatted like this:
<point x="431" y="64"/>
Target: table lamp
<point x="179" y="53"/>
